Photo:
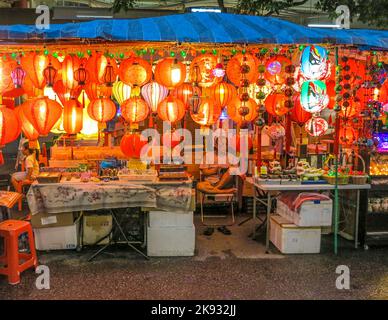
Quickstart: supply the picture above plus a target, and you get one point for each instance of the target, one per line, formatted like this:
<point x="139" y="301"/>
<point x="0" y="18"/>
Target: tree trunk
<point x="221" y="5"/>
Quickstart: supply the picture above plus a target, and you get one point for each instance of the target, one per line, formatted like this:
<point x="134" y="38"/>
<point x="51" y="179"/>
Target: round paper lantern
<point x="171" y="109"/>
<point x="69" y="66"/>
<point x="185" y="92"/>
<point x="242" y="112"/>
<point x="235" y="65"/>
<point x="102" y="109"/>
<point x="223" y="93"/>
<point x="72" y="116"/>
<point x="313" y="96"/>
<point x="314" y="63"/>
<point x="42" y="113"/>
<point x="121" y="91"/>
<point x="95" y="91"/>
<point x="134" y="110"/>
<point x="298" y="114"/>
<point x="27" y="128"/>
<point x="350" y="108"/>
<point x="131" y="145"/>
<point x="316" y="127"/>
<point x="275" y="69"/>
<point x="154" y="93"/>
<point x="10" y="127"/>
<point x="101" y="69"/>
<point x="135" y="71"/>
<point x="276" y="131"/>
<point x="276" y="104"/>
<point x="207" y="113"/>
<point x="170" y="73"/>
<point x="35" y="64"/>
<point x="6" y="67"/>
<point x="347" y="135"/>
<point x="201" y="70"/>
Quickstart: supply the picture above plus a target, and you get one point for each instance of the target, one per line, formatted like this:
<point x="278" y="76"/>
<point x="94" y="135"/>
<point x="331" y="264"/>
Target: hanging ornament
<point x="219" y="71"/>
<point x="242" y="112"/>
<point x="153" y="93"/>
<point x="347" y="135"/>
<point x="184" y="92"/>
<point x="135" y="71"/>
<point x="242" y="64"/>
<point x="131" y="145"/>
<point x="223" y="93"/>
<point x="350" y="108"/>
<point x="207" y="113"/>
<point x="314" y="63"/>
<point x="121" y="91"/>
<point x="102" y="109"/>
<point x="171" y="109"/>
<point x="101" y="69"/>
<point x="81" y="75"/>
<point x="6" y="67"/>
<point x="42" y="113"/>
<point x="134" y="110"/>
<point x="313" y="96"/>
<point x="201" y="70"/>
<point x="10" y="127"/>
<point x="275" y="69"/>
<point x="298" y="114"/>
<point x="27" y="128"/>
<point x="276" y="131"/>
<point x="316" y="126"/>
<point x="170" y="73"/>
<point x="70" y="65"/>
<point x="18" y="75"/>
<point x="96" y="91"/>
<point x="72" y="116"/>
<point x="50" y="74"/>
<point x="277" y="104"/>
<point x="62" y="93"/>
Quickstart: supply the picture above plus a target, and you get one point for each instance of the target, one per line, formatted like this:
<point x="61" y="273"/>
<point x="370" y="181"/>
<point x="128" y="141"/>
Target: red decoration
<point x="242" y="112"/>
<point x="134" y="110"/>
<point x="170" y="73"/>
<point x="28" y="129"/>
<point x="207" y="114"/>
<point x="275" y="69"/>
<point x="298" y="114"/>
<point x="350" y="108"/>
<point x="347" y="135"/>
<point x="70" y="65"/>
<point x="101" y="69"/>
<point x="135" y="71"/>
<point x="239" y="61"/>
<point x="330" y="90"/>
<point x="276" y="104"/>
<point x="201" y="70"/>
<point x="95" y="91"/>
<point x="10" y="127"/>
<point x="223" y="93"/>
<point x="65" y="94"/>
<point x="131" y="145"/>
<point x="102" y="109"/>
<point x="18" y="75"/>
<point x="43" y="113"/>
<point x="6" y="67"/>
<point x="185" y="92"/>
<point x="316" y="127"/>
<point x="171" y="109"/>
<point x="72" y="116"/>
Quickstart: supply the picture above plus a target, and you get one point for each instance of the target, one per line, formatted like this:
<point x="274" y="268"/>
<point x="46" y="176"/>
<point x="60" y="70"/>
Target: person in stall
<point x="31" y="167"/>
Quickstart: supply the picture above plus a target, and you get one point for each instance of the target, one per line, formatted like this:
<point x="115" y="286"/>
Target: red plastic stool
<point x="13" y="261"/>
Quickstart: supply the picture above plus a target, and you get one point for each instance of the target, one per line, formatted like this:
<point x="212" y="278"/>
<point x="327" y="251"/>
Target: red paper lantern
<point x="69" y="66"/>
<point x="275" y="69"/>
<point x="170" y="73"/>
<point x="27" y="128"/>
<point x="350" y="108"/>
<point x="223" y="93"/>
<point x="72" y="116"/>
<point x="102" y="109"/>
<point x="242" y="112"/>
<point x="63" y="93"/>
<point x="330" y="90"/>
<point x="276" y="104"/>
<point x="18" y="75"/>
<point x="347" y="135"/>
<point x="235" y="65"/>
<point x="10" y="127"/>
<point x="201" y="70"/>
<point x="95" y="91"/>
<point x="29" y="89"/>
<point x="316" y="127"/>
<point x="207" y="114"/>
<point x="42" y="113"/>
<point x="135" y="71"/>
<point x="35" y="65"/>
<point x="298" y="114"/>
<point x="134" y="110"/>
<point x="6" y="67"/>
<point x="184" y="93"/>
<point x="171" y="109"/>
<point x="101" y="69"/>
<point x="131" y="145"/>
<point x="154" y="93"/>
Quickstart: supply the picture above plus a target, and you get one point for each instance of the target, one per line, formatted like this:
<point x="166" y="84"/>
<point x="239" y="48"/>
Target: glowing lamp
<point x="314" y="63"/>
<point x="72" y="116"/>
<point x="10" y="127"/>
<point x="135" y="71"/>
<point x="121" y="91"/>
<point x="170" y="73"/>
<point x="171" y="109"/>
<point x="207" y="114"/>
<point x="134" y="110"/>
<point x="102" y="109"/>
<point x="154" y="93"/>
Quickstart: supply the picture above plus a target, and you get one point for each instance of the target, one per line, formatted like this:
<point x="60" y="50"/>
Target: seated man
<point x="31" y="165"/>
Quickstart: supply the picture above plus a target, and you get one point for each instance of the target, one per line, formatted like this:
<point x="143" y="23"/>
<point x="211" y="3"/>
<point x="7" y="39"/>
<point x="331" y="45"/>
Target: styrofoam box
<point x="291" y="239"/>
<point x="311" y="213"/>
<point x="57" y="238"/>
<point x="170" y="241"/>
<point x="170" y="219"/>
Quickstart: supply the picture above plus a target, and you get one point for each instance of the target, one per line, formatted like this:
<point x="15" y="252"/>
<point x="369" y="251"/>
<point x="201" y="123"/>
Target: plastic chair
<point x="13" y="261"/>
<point x="20" y="188"/>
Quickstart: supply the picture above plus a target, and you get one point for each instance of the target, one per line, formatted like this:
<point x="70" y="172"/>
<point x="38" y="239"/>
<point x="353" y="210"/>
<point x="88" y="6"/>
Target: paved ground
<point x="233" y="267"/>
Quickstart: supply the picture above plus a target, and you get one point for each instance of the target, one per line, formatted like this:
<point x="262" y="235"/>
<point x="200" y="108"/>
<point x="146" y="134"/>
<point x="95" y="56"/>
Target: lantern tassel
<point x="151" y="122"/>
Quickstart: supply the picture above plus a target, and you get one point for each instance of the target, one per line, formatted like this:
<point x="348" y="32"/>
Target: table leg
<point x="357" y="220"/>
<point x="269" y="205"/>
<point x="254" y="203"/>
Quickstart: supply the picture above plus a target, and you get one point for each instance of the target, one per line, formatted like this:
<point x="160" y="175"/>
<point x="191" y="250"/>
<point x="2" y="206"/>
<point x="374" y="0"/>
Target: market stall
<point x="134" y="102"/>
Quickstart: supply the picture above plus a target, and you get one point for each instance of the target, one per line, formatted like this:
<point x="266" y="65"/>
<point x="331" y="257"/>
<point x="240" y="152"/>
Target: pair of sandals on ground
<point x="210" y="230"/>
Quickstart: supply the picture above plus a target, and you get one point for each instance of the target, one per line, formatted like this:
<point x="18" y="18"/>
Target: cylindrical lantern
<point x="131" y="145"/>
<point x="101" y="69"/>
<point x="201" y="70"/>
<point x="184" y="93"/>
<point x="121" y="91"/>
<point x="72" y="116"/>
<point x="102" y="109"/>
<point x="313" y="96"/>
<point x="316" y="126"/>
<point x="135" y="71"/>
<point x="275" y="69"/>
<point x="276" y="104"/>
<point x="134" y="110"/>
<point x="43" y="113"/>
<point x="154" y="93"/>
<point x="69" y="66"/>
<point x="171" y="109"/>
<point x="223" y="93"/>
<point x="246" y="64"/>
<point x="10" y="127"/>
<point x="242" y="112"/>
<point x="314" y="63"/>
<point x="170" y="73"/>
<point x="6" y="67"/>
<point x="207" y="113"/>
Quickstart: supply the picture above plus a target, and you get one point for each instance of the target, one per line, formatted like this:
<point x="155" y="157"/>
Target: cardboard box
<point x="57" y="238"/>
<point x="291" y="239"/>
<point x="43" y="220"/>
<point x="170" y="241"/>
<point x="170" y="219"/>
<point x="96" y="227"/>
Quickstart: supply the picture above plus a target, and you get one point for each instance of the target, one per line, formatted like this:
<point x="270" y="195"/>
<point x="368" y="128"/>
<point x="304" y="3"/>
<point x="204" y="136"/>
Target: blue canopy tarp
<point x="199" y="28"/>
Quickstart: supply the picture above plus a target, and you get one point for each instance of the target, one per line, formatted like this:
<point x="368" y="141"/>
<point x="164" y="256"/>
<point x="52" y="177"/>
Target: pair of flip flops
<point x="209" y="231"/>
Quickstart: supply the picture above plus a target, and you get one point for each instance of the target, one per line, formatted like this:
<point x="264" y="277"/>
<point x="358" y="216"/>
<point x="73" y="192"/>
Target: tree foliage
<point x="266" y="7"/>
<point x="125" y="5"/>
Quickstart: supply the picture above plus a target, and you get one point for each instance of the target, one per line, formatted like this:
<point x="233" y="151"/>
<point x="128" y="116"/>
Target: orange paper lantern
<point x="27" y="128"/>
<point x="223" y="93"/>
<point x="171" y="109"/>
<point x="6" y="68"/>
<point x="72" y="116"/>
<point x="10" y="127"/>
<point x="170" y="73"/>
<point x="298" y="114"/>
<point x="275" y="103"/>
<point x="234" y="68"/>
<point x="351" y="109"/>
<point x="242" y="112"/>
<point x="102" y="109"/>
<point x="347" y="135"/>
<point x="134" y="110"/>
<point x="42" y="113"/>
<point x="207" y="114"/>
<point x="275" y="69"/>
<point x="95" y="91"/>
<point x="135" y="71"/>
<point x="69" y="66"/>
<point x="131" y="145"/>
<point x="184" y="92"/>
<point x="201" y="70"/>
<point x="101" y="69"/>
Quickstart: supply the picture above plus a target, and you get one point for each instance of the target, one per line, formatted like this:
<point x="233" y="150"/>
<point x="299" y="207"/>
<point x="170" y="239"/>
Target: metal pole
<point x="336" y="211"/>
